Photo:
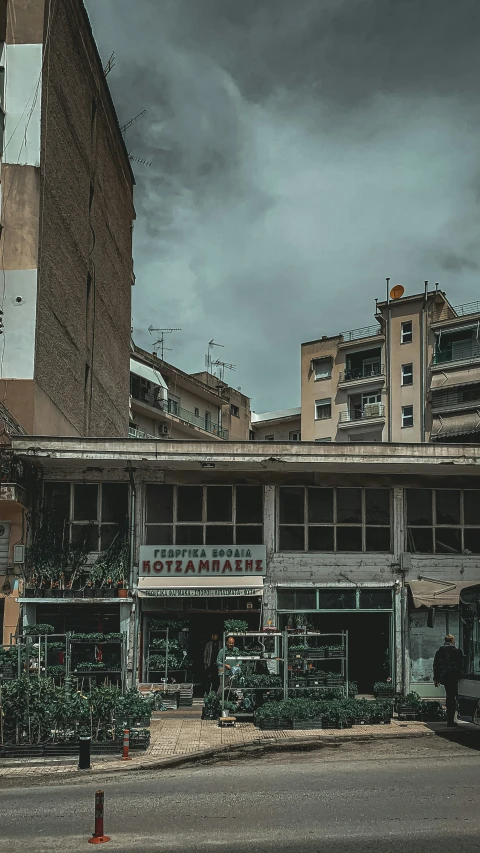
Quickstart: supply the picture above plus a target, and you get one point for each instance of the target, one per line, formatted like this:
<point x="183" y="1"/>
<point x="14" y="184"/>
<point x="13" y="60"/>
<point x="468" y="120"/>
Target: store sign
<point x="200" y="592"/>
<point x="202" y="560"/>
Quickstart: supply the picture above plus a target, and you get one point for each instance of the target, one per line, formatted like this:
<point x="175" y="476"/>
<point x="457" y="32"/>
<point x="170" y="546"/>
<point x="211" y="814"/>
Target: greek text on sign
<point x="200" y="560"/>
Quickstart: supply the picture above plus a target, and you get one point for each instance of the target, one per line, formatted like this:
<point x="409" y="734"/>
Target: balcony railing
<point x="138" y="433"/>
<point x="456" y="398"/>
<point x="367" y="413"/>
<point x="171" y="407"/>
<point x="367" y="371"/>
<point x="467" y="353"/>
<point x="364" y="332"/>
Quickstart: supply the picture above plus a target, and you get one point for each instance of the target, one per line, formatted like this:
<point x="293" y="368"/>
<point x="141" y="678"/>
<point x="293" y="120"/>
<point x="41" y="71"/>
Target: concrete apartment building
<point x="166" y="402"/>
<point x="414" y="376"/>
<point x="66" y="214"/>
<point x="365" y="539"/>
<point x="282" y="425"/>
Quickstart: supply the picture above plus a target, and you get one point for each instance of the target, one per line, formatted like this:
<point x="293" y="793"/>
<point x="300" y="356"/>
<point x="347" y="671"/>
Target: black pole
<point x="84" y="753"/>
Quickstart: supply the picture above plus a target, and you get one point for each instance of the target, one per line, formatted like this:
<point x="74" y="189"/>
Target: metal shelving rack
<point x="153" y="650"/>
<point x="40" y="654"/>
<point x="86" y="673"/>
<point x="315" y="653"/>
<point x="264" y="655"/>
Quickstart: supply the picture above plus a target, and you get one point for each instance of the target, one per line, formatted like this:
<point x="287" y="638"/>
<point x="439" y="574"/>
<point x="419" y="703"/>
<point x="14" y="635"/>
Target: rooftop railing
<point x="363" y="332"/>
<point x="464" y="310"/>
<point x="466" y="353"/>
<point x="171" y="407"/>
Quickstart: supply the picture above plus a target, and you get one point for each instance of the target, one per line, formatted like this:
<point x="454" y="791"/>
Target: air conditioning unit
<point x="164" y="429"/>
<point x="372" y="410"/>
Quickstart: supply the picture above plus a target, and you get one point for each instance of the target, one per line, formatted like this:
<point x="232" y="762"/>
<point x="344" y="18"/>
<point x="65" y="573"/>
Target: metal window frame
<point x="334" y="523"/>
<point x="434" y="525"/>
<point x="319" y="589"/>
<point x="73" y="522"/>
<point x="204" y="523"/>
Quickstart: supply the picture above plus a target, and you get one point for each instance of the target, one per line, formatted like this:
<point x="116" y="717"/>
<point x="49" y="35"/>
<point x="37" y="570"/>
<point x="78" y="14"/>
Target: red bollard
<point x="126" y="745"/>
<point x="98" y="837"/>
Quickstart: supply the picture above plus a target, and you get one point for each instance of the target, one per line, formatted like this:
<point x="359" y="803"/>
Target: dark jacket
<point x="448" y="663"/>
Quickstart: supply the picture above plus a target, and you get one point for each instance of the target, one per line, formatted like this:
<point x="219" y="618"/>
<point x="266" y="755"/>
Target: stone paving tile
<point x="171" y="737"/>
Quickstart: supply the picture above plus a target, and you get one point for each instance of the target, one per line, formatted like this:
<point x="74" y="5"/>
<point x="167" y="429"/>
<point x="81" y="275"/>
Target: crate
<point x="307" y="724"/>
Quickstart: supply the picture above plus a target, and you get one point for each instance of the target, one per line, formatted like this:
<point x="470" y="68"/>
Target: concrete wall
<point x="280" y="430"/>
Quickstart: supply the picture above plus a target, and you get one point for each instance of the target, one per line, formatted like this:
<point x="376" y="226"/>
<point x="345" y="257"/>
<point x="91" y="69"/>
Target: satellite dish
<point x="397" y="291"/>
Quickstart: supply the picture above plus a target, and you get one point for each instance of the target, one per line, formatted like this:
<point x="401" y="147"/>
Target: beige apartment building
<point x="284" y="425"/>
<point x="413" y="376"/>
<point x="166" y="402"/>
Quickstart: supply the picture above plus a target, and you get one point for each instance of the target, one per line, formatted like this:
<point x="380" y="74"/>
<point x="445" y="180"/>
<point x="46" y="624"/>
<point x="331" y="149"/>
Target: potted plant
<point x="383" y="688"/>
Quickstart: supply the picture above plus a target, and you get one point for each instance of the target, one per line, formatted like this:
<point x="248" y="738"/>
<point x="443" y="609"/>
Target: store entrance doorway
<point x="369" y="652"/>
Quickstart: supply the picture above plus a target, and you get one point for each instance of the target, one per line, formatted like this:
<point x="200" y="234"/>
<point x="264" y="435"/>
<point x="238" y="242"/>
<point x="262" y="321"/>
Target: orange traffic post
<point x="126" y="745"/>
<point x="98" y="837"/>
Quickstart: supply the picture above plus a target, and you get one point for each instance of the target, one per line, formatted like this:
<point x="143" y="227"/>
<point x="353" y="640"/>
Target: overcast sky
<point x="302" y="151"/>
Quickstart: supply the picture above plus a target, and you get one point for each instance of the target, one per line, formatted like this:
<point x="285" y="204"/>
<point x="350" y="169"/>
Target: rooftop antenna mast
<point x="109" y="65"/>
<point x="129" y="123"/>
<point x="161" y="341"/>
<point x="208" y="355"/>
<point x="223" y="365"/>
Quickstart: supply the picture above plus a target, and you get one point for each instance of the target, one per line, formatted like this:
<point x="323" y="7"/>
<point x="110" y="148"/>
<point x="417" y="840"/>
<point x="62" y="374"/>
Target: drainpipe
<point x="423" y="363"/>
<point x="388" y="365"/>
<point x="133" y="504"/>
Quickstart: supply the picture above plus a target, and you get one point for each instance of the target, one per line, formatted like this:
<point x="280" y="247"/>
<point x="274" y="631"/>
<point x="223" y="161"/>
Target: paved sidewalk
<point x="175" y="741"/>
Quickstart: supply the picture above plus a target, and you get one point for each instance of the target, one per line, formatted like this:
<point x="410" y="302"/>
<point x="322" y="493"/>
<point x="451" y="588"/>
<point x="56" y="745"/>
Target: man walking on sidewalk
<point x="447" y="670"/>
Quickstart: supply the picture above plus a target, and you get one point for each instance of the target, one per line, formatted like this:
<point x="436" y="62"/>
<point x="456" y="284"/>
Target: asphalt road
<point x="420" y="796"/>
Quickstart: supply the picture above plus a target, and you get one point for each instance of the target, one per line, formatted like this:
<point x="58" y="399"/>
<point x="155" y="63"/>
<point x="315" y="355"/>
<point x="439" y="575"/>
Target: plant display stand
<point x="260" y="665"/>
<point x="94" y="648"/>
<point x="167" y="656"/>
<point x="306" y="653"/>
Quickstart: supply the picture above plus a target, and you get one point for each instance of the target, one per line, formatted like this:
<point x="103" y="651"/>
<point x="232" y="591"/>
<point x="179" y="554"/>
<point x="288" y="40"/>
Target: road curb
<point x="212" y="755"/>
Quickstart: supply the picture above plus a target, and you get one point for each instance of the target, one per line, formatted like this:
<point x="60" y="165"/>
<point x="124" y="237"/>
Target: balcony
<point x="456" y="399"/>
<point x="362" y="374"/>
<point x="363" y="332"/>
<point x="460" y="311"/>
<point x="359" y="416"/>
<point x="173" y="409"/>
<point x="466" y="354"/>
<point x="139" y="433"/>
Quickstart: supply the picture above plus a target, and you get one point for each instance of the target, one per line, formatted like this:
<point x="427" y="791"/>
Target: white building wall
<point x="23" y="97"/>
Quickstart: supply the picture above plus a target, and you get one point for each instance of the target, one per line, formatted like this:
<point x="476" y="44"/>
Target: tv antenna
<point x="109" y="65"/>
<point x="223" y="365"/>
<point x="139" y="160"/>
<point x="161" y="341"/>
<point x="208" y="355"/>
<point x="129" y="123"/>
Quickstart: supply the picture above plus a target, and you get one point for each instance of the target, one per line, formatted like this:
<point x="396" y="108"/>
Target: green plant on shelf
<point x="171" y="624"/>
<point x="157" y="663"/>
<point x="40" y="628"/>
<point x="95" y="637"/>
<point x="56" y="671"/>
<point x="235" y="626"/>
<point x="112" y="566"/>
<point x="84" y="666"/>
<point x="160" y="643"/>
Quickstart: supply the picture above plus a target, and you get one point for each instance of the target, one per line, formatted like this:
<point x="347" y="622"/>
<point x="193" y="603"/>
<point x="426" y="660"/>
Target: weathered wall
<point x="85" y="269"/>
<point x="280" y="431"/>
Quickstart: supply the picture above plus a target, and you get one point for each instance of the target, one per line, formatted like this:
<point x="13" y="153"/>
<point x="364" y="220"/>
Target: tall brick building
<point x="66" y="215"/>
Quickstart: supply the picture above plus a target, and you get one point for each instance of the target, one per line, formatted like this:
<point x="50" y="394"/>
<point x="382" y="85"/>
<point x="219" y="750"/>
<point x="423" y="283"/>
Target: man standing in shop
<point x="226" y="660"/>
<point x="210" y="664"/>
<point x="447" y="670"/>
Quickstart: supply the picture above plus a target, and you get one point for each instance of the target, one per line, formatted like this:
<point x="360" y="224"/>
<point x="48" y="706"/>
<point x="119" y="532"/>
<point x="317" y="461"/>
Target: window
<point x="92" y="513"/>
<point x="336" y="598"/>
<point x="443" y="521"/>
<point x="203" y="515"/>
<point x="322" y="368"/>
<point x="407" y="416"/>
<point x="322" y="440"/>
<point x="323" y="409"/>
<point x="294" y="436"/>
<point x="334" y="519"/>
<point x="234" y="410"/>
<point x="407" y="332"/>
<point x="269" y="438"/>
<point x="197" y="412"/>
<point x="407" y="374"/>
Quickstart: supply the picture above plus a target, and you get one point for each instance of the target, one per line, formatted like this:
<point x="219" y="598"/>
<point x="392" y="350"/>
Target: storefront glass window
<point x="375" y="599"/>
<point x="203" y="515"/>
<point x="337" y="599"/>
<point x="443" y="521"/>
<point x="327" y="519"/>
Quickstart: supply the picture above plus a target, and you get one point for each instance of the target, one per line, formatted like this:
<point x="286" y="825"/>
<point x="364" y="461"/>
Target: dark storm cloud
<point x="302" y="151"/>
